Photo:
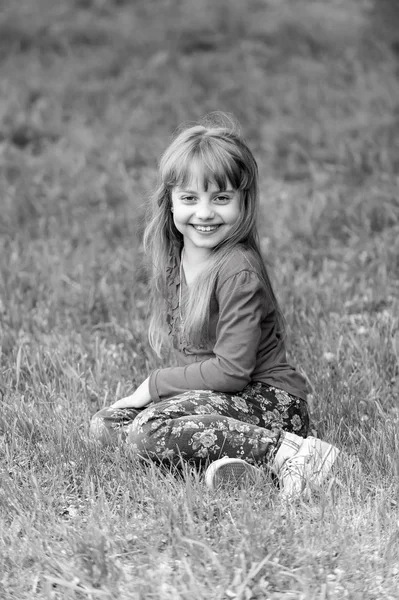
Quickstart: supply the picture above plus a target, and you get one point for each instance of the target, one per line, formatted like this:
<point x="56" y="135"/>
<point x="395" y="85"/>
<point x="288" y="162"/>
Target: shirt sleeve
<point x="241" y="300"/>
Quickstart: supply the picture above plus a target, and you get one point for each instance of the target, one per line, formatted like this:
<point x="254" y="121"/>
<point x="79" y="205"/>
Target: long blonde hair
<point x="225" y="158"/>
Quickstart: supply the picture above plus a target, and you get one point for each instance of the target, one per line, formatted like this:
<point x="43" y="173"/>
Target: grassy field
<point x="90" y="92"/>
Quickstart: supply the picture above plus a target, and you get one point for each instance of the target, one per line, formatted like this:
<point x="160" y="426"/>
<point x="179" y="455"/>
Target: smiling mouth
<point x="206" y="228"/>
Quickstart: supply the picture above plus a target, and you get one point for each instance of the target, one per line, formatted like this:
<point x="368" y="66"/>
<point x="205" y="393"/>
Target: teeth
<point x="205" y="227"/>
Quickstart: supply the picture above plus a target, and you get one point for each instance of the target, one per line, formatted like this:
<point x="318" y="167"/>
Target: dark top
<point x="244" y="345"/>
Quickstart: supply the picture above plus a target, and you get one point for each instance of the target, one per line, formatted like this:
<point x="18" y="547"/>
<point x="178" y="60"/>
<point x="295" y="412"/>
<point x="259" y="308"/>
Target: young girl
<point x="233" y="400"/>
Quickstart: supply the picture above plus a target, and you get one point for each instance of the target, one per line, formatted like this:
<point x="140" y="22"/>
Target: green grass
<point x="90" y="94"/>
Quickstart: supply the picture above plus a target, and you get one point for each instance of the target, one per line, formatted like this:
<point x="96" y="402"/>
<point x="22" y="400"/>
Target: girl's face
<point x="205" y="218"/>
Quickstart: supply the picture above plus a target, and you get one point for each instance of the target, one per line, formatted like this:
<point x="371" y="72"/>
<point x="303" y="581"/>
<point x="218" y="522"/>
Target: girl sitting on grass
<point x="233" y="402"/>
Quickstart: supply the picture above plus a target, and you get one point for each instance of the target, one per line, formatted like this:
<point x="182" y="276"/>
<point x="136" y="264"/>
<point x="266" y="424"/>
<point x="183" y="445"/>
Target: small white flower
<point x="329" y="357"/>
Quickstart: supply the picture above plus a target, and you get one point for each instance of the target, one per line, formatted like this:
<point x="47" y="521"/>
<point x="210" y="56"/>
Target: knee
<point x="100" y="429"/>
<point x="110" y="425"/>
<point x="137" y="434"/>
<point x="145" y="434"/>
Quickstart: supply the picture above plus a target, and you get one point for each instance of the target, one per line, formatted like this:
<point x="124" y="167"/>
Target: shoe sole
<point x="230" y="472"/>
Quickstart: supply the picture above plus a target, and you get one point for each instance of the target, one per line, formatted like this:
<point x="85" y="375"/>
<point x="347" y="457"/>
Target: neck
<point x="195" y="257"/>
<point x="192" y="264"/>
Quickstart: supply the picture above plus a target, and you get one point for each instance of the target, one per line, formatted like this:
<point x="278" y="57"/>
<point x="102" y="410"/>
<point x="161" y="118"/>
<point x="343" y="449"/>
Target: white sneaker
<point x="310" y="465"/>
<point x="233" y="471"/>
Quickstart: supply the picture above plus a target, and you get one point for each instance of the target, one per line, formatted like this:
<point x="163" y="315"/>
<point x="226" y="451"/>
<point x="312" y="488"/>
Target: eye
<point x="189" y="199"/>
<point x="222" y="199"/>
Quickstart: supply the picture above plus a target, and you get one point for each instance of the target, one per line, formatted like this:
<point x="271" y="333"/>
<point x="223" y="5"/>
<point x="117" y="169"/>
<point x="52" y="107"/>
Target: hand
<point x="140" y="398"/>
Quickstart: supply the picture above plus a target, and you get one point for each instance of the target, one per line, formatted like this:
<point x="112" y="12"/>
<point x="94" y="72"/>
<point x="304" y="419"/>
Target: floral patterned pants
<point x="200" y="426"/>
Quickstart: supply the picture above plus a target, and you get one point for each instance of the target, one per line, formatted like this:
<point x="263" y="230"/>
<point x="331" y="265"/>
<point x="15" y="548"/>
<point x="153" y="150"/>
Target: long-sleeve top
<point x="244" y="342"/>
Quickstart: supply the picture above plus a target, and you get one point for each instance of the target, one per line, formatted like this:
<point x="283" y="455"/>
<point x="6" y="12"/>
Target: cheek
<point x="178" y="219"/>
<point x="235" y="215"/>
<point x="176" y="215"/>
<point x="180" y="213"/>
<point x="176" y="222"/>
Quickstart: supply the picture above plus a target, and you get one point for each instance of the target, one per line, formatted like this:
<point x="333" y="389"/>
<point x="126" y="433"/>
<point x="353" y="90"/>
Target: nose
<point x="205" y="211"/>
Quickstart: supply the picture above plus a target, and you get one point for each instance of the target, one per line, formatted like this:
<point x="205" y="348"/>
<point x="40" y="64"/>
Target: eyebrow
<point x="218" y="192"/>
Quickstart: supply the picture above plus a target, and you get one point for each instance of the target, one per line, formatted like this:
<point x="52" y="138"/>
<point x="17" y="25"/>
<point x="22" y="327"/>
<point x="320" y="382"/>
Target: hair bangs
<point x="218" y="165"/>
<point x="209" y="161"/>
